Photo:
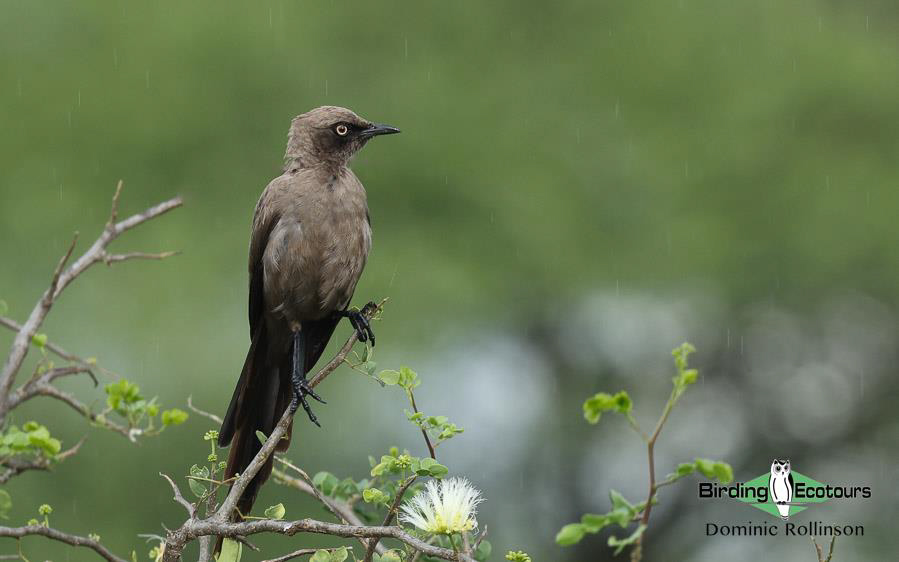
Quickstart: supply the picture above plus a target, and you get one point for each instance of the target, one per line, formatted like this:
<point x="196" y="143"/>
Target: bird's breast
<point x="314" y="258"/>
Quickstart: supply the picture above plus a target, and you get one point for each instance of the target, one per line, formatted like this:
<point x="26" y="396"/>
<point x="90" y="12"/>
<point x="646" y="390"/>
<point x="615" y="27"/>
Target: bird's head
<point x="330" y="134"/>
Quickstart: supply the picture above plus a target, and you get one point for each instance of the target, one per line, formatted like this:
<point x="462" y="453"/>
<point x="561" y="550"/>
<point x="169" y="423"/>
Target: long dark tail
<point x="262" y="394"/>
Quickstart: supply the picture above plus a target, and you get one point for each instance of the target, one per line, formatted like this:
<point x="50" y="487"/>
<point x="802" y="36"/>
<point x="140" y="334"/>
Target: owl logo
<point x="780" y="484"/>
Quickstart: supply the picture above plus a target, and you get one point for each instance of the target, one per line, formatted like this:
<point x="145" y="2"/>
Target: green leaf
<point x="5" y="504"/>
<point x="326" y="482"/>
<point x="174" y="417"/>
<point x="197" y="487"/>
<point x="604" y="402"/>
<point x="483" y="551"/>
<point x="339" y="555"/>
<point x="437" y="470"/>
<point x="374" y="495"/>
<point x="570" y="534"/>
<point x="321" y="556"/>
<point x="717" y="470"/>
<point x="39" y="340"/>
<point x="389" y="377"/>
<point x="261" y="437"/>
<point x="620" y="544"/>
<point x="276" y="511"/>
<point x="231" y="551"/>
<point x="618" y="501"/>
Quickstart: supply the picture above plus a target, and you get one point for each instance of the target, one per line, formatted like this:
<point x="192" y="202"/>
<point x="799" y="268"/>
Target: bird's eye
<point x="341" y="130"/>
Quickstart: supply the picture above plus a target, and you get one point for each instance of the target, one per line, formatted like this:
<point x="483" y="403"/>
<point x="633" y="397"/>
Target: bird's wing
<point x="265" y="218"/>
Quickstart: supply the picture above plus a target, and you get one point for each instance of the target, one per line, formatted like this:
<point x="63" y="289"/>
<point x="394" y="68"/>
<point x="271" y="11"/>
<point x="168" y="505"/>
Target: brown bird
<point x="310" y="240"/>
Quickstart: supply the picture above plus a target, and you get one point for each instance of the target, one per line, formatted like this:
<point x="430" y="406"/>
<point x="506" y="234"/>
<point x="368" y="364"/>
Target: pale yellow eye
<point x="341" y="129"/>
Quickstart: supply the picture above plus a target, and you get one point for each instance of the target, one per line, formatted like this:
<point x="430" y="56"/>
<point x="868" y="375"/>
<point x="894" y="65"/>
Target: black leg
<point x="301" y="387"/>
<point x="360" y="323"/>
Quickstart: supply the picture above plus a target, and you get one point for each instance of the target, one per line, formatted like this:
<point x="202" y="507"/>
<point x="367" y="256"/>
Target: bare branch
<point x="191" y="511"/>
<point x="53" y="534"/>
<point x="110" y="259"/>
<point x="61" y="279"/>
<point x="197" y="528"/>
<point x="203" y="413"/>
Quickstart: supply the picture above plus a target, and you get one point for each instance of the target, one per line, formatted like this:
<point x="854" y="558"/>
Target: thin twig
<point x="297" y="554"/>
<point x="203" y="413"/>
<point x="388" y="519"/>
<point x="59" y="351"/>
<point x="52" y="392"/>
<point x="424" y="433"/>
<point x="15" y="466"/>
<point x="191" y="510"/>
<point x="53" y="534"/>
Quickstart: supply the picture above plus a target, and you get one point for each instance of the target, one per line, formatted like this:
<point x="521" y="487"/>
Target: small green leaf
<point x="231" y="551"/>
<point x="5" y="504"/>
<point x="594" y="523"/>
<point x="339" y="554"/>
<point x="604" y="402"/>
<point x="276" y="511"/>
<point x="717" y="470"/>
<point x="437" y="470"/>
<point x="620" y="544"/>
<point x="174" y="417"/>
<point x="39" y="340"/>
<point x="389" y="377"/>
<point x="321" y="556"/>
<point x="198" y="488"/>
<point x="570" y="534"/>
<point x="374" y="495"/>
<point x="326" y="482"/>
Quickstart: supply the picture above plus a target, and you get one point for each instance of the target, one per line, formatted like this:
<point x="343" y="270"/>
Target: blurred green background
<point x="579" y="187"/>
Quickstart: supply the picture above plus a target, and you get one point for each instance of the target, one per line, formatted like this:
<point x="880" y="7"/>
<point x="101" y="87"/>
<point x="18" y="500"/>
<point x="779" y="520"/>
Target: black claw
<point x="359" y="321"/>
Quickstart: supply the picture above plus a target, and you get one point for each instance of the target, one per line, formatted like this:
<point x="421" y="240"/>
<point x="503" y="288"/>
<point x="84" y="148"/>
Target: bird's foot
<point x="360" y="322"/>
<point x="301" y="390"/>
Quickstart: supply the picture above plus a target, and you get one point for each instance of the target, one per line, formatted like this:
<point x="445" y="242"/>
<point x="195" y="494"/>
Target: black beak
<point x="375" y="130"/>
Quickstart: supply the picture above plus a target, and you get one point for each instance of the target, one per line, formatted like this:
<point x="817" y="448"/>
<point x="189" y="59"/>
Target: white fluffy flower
<point x="443" y="507"/>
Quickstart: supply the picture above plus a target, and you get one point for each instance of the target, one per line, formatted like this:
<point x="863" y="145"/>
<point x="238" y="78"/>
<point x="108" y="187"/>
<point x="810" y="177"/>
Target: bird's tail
<point x="262" y="394"/>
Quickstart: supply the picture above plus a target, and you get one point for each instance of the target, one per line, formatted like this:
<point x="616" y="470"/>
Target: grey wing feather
<point x="264" y="220"/>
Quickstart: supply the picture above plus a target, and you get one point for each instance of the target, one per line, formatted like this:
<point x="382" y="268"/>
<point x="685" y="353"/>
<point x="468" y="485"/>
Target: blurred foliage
<point x="549" y="149"/>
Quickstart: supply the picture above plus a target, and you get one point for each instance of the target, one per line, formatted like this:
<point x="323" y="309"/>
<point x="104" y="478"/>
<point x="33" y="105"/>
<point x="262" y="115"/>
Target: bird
<point x="310" y="240"/>
<point x="780" y="483"/>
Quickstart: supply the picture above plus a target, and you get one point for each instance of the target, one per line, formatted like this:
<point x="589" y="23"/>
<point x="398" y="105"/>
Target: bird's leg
<point x="360" y="322"/>
<point x="301" y="387"/>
